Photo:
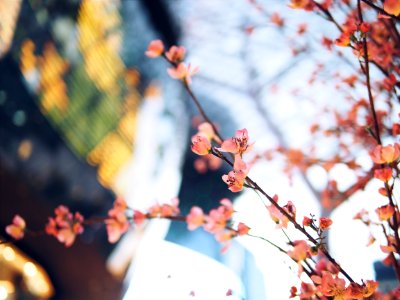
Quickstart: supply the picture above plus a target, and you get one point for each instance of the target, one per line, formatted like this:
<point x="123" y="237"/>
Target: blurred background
<point x="86" y="116"/>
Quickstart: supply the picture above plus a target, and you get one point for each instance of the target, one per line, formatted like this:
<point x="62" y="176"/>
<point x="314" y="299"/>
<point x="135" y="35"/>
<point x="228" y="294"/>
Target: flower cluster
<point x="374" y="40"/>
<point x="237" y="145"/>
<point x="175" y="55"/>
<point x="218" y="221"/>
<point x="65" y="226"/>
<point x="327" y="283"/>
<point x="117" y="222"/>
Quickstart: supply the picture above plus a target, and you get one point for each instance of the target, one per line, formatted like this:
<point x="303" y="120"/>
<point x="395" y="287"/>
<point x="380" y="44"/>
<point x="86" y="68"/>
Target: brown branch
<point x="201" y="110"/>
<point x="395" y="262"/>
<point x="368" y="80"/>
<point x="256" y="187"/>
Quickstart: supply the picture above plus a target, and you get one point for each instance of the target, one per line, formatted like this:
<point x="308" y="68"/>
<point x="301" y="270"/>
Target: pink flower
<point x="217" y="218"/>
<point x="307" y="290"/>
<point x="17" y="229"/>
<point x="388" y="248"/>
<point x="176" y="54"/>
<point x="225" y="235"/>
<point x="242" y="229"/>
<point x="207" y="130"/>
<point x="215" y="221"/>
<point x="384" y="174"/>
<point x="138" y="217"/>
<point x="117" y="222"/>
<point x="300" y="250"/>
<point x="385" y="212"/>
<point x="195" y="218"/>
<point x="201" y="144"/>
<point x="164" y="210"/>
<point x="369" y="288"/>
<point x="236" y="178"/>
<point x="183" y="72"/>
<point x="386" y="154"/>
<point x="120" y="204"/>
<point x="325" y="265"/>
<point x="65" y="226"/>
<point x="280" y="219"/>
<point x="155" y="49"/>
<point x="116" y="225"/>
<point x="332" y="286"/>
<point x="169" y="210"/>
<point x="155" y="210"/>
<point x="226" y="208"/>
<point x="237" y="144"/>
<point x="290" y="209"/>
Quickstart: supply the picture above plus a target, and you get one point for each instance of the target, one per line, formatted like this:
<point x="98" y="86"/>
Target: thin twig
<point x="367" y="75"/>
<point x="328" y="15"/>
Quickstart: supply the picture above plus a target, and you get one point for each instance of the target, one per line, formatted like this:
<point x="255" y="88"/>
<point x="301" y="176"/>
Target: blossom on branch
<point x="155" y="49"/>
<point x="300" y="251"/>
<point x="170" y="210"/>
<point x="277" y="216"/>
<point x="242" y="229"/>
<point x="325" y="223"/>
<point x="183" y="72"/>
<point x="332" y="286"/>
<point x="65" y="226"/>
<point x="117" y="222"/>
<point x="176" y="54"/>
<point x="307" y="221"/>
<point x="195" y="218"/>
<point x="385" y="212"/>
<point x="385" y="154"/>
<point x="138" y="217"/>
<point x="17" y="229"/>
<point x="206" y="129"/>
<point x="201" y="145"/>
<point x="164" y="210"/>
<point x="116" y="225"/>
<point x="235" y="180"/>
<point x="237" y="144"/>
<point x="217" y="218"/>
<point x="384" y="174"/>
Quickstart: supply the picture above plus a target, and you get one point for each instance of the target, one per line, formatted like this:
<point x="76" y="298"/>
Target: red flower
<point x="384" y="174"/>
<point x="324" y="223"/>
